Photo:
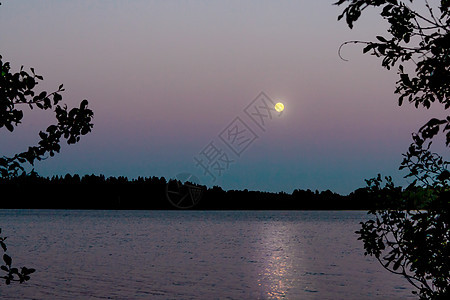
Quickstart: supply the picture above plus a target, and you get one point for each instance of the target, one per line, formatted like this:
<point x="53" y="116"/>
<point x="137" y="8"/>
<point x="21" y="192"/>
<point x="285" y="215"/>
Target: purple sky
<point x="164" y="78"/>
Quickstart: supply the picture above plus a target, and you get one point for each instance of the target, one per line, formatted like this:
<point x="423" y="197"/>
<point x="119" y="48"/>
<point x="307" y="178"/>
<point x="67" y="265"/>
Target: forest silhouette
<point x="150" y="193"/>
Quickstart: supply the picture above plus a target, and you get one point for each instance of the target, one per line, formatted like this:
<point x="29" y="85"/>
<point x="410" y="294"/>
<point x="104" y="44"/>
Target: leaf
<point x="406" y="38"/>
<point x="386" y="10"/>
<point x="368" y="48"/>
<point x="3" y="245"/>
<point x="27" y="271"/>
<point x="339" y="2"/>
<point x="381" y="39"/>
<point x="84" y="104"/>
<point x="9" y="127"/>
<point x="30" y="83"/>
<point x="56" y="98"/>
<point x="42" y="95"/>
<point x="7" y="259"/>
<point x="47" y="102"/>
<point x="42" y="135"/>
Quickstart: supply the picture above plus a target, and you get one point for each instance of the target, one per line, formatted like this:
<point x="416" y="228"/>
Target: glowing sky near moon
<point x="164" y="78"/>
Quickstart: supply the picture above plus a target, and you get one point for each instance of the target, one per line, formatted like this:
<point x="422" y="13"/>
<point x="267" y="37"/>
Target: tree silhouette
<point x="13" y="274"/>
<point x="413" y="243"/>
<point x="18" y="90"/>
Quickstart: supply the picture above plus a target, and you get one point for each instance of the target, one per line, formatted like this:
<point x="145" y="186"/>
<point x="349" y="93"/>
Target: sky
<point x="169" y="83"/>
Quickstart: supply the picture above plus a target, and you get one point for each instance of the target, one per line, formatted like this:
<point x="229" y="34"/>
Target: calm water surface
<point x="193" y="255"/>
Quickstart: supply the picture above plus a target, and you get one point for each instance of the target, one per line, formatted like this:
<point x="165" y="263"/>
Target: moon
<point x="279" y="107"/>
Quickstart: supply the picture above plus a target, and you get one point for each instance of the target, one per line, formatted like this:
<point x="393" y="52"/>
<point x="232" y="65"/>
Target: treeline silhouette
<point x="100" y="192"/>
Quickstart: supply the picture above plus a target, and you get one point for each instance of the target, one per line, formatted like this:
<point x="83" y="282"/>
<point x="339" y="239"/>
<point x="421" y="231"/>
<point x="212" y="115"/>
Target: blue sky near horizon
<point x="165" y="78"/>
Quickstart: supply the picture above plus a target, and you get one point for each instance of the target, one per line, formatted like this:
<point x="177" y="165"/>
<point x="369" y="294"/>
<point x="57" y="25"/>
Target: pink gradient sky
<point x="165" y="77"/>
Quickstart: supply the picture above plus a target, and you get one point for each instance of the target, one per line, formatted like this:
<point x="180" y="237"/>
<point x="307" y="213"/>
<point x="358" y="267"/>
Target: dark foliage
<point x="413" y="243"/>
<point x="17" y="90"/>
<point x="419" y="45"/>
<point x="408" y="241"/>
<point x="12" y="273"/>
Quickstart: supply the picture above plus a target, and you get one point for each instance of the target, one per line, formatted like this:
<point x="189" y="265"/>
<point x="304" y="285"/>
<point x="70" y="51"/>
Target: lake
<point x="193" y="255"/>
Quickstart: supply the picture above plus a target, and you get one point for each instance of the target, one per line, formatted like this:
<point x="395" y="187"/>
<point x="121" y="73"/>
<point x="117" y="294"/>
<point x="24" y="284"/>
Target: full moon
<point x="279" y="107"/>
